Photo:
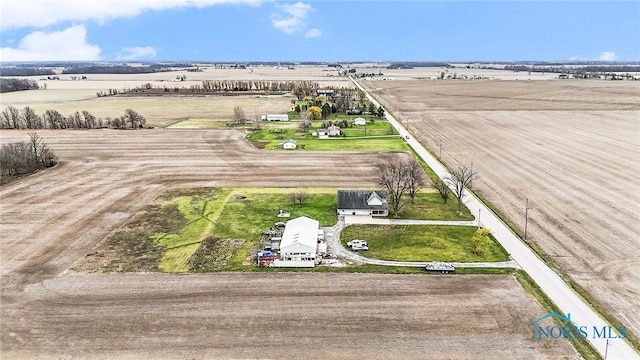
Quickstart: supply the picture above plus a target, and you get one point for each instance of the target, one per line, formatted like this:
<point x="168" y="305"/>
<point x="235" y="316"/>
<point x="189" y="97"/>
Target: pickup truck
<point x="352" y="243"/>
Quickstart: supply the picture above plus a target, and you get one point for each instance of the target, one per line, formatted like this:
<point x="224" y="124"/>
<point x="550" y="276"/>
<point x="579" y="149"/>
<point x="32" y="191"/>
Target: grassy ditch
<point x="422" y="243"/>
<point x="583" y="346"/>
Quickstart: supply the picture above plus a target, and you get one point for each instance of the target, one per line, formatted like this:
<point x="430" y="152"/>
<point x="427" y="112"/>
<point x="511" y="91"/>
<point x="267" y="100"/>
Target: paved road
<point x="332" y="236"/>
<point x="559" y="292"/>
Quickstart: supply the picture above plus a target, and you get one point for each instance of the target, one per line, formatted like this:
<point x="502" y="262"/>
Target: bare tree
<point x="443" y="189"/>
<point x="134" y="119"/>
<point x="304" y="124"/>
<point x="459" y="179"/>
<point x="391" y="176"/>
<point x="239" y="117"/>
<point x="414" y="178"/>
<point x="298" y="197"/>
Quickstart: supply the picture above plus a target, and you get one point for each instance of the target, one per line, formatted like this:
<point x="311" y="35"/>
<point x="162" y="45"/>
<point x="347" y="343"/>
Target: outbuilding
<point x="275" y="117"/>
<point x="288" y="145"/>
<point x="359" y="121"/>
<point x="300" y="241"/>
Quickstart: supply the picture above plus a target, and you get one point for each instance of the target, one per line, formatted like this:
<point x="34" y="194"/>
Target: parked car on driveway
<point x="353" y="243"/>
<point x="359" y="247"/>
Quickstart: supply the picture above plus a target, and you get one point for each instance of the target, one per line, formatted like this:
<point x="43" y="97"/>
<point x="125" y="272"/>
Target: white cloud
<point x="42" y="13"/>
<point x="573" y="58"/>
<point x="137" y="53"/>
<point x="607" y="56"/>
<point x="294" y="18"/>
<point x="313" y="33"/>
<point x="69" y="44"/>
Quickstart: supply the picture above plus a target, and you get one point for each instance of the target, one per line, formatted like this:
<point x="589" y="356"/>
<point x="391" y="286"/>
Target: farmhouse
<point x="275" y="117"/>
<point x="362" y="202"/>
<point x="299" y="242"/>
<point x="359" y="121"/>
<point x="327" y="93"/>
<point x="288" y="145"/>
<point x="330" y="131"/>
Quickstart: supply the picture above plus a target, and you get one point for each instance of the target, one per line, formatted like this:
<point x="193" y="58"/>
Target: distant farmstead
<point x="275" y="117"/>
<point x="288" y="145"/>
<point x="363" y="202"/>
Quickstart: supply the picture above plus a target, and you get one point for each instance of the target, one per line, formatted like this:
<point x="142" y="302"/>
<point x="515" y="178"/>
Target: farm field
<point x="279" y="315"/>
<point x="68" y="96"/>
<point x="51" y="219"/>
<point x="570" y="147"/>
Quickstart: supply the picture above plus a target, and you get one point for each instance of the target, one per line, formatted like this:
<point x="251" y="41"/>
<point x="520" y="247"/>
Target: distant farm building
<point x="359" y="121"/>
<point x="362" y="202"/>
<point x="327" y="93"/>
<point x="288" y="145"/>
<point x="329" y="131"/>
<point x="275" y="117"/>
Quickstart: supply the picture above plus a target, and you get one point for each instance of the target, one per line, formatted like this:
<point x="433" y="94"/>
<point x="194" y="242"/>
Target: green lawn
<point x="421" y="243"/>
<point x="378" y="137"/>
<point x="428" y="205"/>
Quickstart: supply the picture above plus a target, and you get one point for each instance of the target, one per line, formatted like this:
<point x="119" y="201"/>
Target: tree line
<point x="25" y="71"/>
<point x="25" y="157"/>
<point x="14" y="118"/>
<point x="14" y="84"/>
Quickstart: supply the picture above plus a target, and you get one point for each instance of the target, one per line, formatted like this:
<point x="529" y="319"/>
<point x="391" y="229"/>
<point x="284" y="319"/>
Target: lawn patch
<point x="422" y="243"/>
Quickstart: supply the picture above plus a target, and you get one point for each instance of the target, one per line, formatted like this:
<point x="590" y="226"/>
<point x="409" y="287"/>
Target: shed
<point x="359" y="121"/>
<point x="288" y="145"/>
<point x="275" y="117"/>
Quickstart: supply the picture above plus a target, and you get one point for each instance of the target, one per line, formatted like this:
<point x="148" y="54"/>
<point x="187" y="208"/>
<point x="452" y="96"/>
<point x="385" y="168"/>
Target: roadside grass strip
<point x="422" y="243"/>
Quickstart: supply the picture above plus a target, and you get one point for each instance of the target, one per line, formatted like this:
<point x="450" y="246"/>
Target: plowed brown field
<point x="51" y="219"/>
<point x="571" y="147"/>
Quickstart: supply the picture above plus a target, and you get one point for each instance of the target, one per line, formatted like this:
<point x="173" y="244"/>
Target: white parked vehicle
<point x="359" y="247"/>
<point x="352" y="243"/>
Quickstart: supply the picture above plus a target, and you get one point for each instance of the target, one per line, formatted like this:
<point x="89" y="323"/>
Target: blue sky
<point x="255" y="30"/>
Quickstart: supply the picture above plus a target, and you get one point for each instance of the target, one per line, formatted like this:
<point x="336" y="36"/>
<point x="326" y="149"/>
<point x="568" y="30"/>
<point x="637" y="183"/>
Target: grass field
<point x="421" y="243"/>
<point x="428" y="205"/>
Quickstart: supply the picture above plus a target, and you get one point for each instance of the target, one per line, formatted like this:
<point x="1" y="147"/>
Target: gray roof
<point x="357" y="199"/>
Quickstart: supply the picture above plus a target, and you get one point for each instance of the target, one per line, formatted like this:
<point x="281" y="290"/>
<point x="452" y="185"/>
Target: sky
<point x="333" y="31"/>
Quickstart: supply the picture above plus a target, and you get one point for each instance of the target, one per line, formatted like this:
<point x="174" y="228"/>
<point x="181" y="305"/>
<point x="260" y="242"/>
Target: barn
<point x="299" y="242"/>
<point x="363" y="202"/>
<point x="275" y="117"/>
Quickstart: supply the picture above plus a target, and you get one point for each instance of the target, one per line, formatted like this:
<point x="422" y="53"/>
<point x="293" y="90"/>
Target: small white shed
<point x="359" y="121"/>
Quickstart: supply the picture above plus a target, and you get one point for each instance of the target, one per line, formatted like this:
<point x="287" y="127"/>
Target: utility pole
<point x="526" y="216"/>
<point x="606" y="350"/>
<point x="479" y="219"/>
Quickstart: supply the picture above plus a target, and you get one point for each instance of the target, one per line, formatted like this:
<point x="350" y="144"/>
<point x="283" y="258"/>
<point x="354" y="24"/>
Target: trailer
<point x="439" y="266"/>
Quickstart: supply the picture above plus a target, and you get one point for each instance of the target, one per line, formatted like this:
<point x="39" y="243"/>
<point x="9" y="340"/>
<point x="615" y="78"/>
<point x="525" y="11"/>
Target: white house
<point x="288" y="145"/>
<point x="359" y="121"/>
<point x="329" y="131"/>
<point x="275" y="117"/>
<point x="300" y="241"/>
<point x="362" y="202"/>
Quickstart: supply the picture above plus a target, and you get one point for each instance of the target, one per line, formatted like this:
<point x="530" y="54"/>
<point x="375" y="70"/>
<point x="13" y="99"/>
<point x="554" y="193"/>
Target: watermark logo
<point x="572" y="330"/>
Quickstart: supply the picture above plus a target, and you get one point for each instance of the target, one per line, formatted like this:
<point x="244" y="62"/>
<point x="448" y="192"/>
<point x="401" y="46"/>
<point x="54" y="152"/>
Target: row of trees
<point x="13" y="84"/>
<point x="399" y="179"/>
<point x="25" y="71"/>
<point x="405" y="178"/>
<point x="25" y="157"/>
<point x="14" y="118"/>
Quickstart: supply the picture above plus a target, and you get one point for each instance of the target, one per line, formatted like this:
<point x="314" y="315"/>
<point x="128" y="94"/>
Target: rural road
<point x="555" y="288"/>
